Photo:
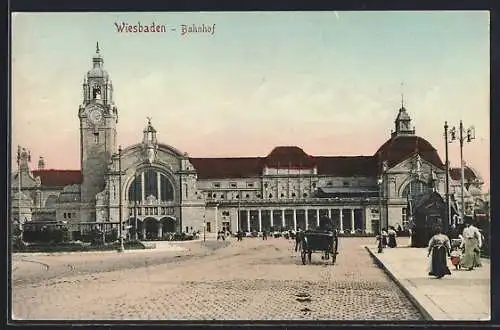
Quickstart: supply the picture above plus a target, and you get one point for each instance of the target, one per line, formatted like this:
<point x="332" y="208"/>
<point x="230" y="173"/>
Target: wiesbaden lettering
<point x="193" y="28"/>
<point x="124" y="27"/>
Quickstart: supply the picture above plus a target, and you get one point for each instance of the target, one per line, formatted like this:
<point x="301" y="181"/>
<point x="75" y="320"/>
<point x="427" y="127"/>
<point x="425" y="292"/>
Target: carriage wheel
<point x="309" y="256"/>
<point x="303" y="256"/>
<point x="334" y="252"/>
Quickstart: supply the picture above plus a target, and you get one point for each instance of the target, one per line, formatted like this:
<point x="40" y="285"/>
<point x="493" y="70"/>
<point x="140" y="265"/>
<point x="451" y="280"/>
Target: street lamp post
<point x="380" y="245"/>
<point x="120" y="226"/>
<point x="204" y="227"/>
<point x="136" y="231"/>
<point x="470" y="135"/>
<point x="447" y="182"/>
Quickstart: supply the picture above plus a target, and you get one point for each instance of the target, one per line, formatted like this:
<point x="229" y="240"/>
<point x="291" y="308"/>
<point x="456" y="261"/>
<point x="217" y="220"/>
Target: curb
<point x="427" y="316"/>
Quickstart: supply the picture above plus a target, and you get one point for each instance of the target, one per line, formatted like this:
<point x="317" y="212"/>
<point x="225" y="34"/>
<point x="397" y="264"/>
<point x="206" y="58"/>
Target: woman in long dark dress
<point x="391" y="238"/>
<point x="439" y="250"/>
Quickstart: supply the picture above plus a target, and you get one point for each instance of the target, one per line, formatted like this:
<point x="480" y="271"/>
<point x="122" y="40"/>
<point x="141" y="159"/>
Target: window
<point x="345" y="183"/>
<point x="214" y="195"/>
<point x="69" y="215"/>
<point x="330" y="183"/>
<point x="270" y="195"/>
<point x="209" y="228"/>
<point x="247" y="196"/>
<point x="146" y="211"/>
<point x="64" y="215"/>
<point x="156" y="210"/>
<point x="305" y="195"/>
<point x="162" y="211"/>
<point x="293" y="194"/>
<point x="250" y="184"/>
<point x="265" y="185"/>
<point x="139" y="211"/>
<point x="238" y="196"/>
<point x="216" y="184"/>
<point x="233" y="185"/>
<point x="96" y="137"/>
<point x="258" y="196"/>
<point x="404" y="217"/>
<point x="314" y="184"/>
<point x="222" y="196"/>
<point x="282" y="195"/>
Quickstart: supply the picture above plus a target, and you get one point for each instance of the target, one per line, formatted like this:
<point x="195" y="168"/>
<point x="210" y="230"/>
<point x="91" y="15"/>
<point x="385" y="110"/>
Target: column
<point x="317" y="217"/>
<point x="272" y="218"/>
<point x="143" y="191"/>
<point x="160" y="230"/>
<point x="158" y="186"/>
<point x="341" y="216"/>
<point x="248" y="220"/>
<point x="143" y="230"/>
<point x="330" y="213"/>
<point x="260" y="220"/>
<point x="307" y="218"/>
<point x="294" y="219"/>
<point x="283" y="218"/>
<point x="352" y="220"/>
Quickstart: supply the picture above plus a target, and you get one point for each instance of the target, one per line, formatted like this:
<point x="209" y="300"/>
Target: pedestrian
<point x="439" y="248"/>
<point x="298" y="238"/>
<point x="264" y="235"/>
<point x="384" y="237"/>
<point x="391" y="237"/>
<point x="471" y="243"/>
<point x="399" y="230"/>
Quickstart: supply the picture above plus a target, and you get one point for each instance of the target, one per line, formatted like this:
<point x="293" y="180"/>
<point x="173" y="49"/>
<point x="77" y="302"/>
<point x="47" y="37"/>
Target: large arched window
<point x="415" y="187"/>
<point x="155" y="184"/>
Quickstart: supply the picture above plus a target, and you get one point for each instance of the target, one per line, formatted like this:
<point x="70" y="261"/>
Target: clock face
<point x="95" y="116"/>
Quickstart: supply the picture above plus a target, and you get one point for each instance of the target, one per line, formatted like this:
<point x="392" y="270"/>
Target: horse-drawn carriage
<point x="324" y="240"/>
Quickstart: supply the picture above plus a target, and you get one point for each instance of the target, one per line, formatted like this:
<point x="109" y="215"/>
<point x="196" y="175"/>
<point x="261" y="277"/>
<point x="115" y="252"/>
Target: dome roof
<point x="470" y="174"/>
<point x="288" y="156"/>
<point x="399" y="148"/>
<point x="97" y="72"/>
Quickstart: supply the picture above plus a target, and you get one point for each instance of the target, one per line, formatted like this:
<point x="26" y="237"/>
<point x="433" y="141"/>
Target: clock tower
<point x="98" y="118"/>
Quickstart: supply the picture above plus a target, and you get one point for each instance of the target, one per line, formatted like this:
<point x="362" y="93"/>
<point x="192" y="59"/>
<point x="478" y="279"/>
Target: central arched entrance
<point x="169" y="224"/>
<point x="151" y="228"/>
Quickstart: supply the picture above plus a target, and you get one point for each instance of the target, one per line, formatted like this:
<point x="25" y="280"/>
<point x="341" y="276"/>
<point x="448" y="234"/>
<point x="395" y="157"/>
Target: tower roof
<point x="399" y="148"/>
<point x="97" y="70"/>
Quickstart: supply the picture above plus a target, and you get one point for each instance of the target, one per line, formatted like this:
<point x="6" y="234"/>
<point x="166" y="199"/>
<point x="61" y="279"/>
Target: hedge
<point x="77" y="247"/>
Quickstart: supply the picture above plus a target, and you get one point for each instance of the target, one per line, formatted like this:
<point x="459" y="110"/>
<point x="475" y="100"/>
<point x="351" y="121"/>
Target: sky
<point x="328" y="82"/>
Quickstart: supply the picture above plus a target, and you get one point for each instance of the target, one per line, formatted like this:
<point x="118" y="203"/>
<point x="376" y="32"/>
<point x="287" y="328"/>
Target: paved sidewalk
<point x="463" y="295"/>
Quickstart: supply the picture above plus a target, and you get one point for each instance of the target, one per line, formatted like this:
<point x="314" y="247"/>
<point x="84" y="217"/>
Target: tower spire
<point x="97" y="47"/>
<point x="402" y="96"/>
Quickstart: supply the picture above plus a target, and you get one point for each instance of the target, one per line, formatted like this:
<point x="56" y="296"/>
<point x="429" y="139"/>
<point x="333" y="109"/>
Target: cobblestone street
<point x="249" y="280"/>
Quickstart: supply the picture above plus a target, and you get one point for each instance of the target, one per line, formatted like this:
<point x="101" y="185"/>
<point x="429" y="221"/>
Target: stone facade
<point x="156" y="188"/>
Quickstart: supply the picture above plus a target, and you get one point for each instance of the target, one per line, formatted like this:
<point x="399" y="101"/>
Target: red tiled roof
<point x="399" y="148"/>
<point x="289" y="157"/>
<point x="347" y="166"/>
<point x="58" y="178"/>
<point x="230" y="168"/>
<point x="284" y="157"/>
<point x="455" y="174"/>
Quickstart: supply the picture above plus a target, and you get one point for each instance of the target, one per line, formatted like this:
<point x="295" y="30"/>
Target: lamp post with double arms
<point x="120" y="226"/>
<point x="447" y="179"/>
<point x="470" y="134"/>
